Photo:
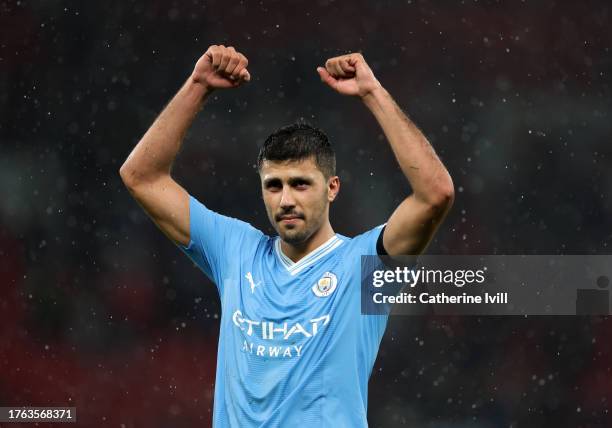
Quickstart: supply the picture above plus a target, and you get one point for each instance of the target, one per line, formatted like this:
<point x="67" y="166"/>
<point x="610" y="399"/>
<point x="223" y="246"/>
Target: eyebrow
<point x="275" y="181"/>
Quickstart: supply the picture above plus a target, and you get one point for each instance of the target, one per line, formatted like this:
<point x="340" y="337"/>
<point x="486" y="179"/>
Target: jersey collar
<point x="321" y="251"/>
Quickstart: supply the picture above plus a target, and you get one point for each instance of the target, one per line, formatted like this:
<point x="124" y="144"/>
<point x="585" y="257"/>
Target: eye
<point x="273" y="186"/>
<point x="300" y="184"/>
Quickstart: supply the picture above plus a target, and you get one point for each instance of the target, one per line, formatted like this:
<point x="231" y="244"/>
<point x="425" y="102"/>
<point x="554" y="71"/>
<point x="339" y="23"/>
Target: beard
<point x="293" y="233"/>
<point x="307" y="225"/>
<point x="294" y="236"/>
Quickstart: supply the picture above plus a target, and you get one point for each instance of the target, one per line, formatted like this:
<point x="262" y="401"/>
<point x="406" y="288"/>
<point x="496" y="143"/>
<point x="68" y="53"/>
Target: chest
<point x="264" y="290"/>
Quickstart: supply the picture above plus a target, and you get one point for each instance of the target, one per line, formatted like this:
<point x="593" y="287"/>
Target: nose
<point x="287" y="200"/>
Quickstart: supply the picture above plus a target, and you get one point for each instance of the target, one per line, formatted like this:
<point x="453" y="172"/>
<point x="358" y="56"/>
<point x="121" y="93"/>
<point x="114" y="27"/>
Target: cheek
<point x="317" y="203"/>
<point x="268" y="201"/>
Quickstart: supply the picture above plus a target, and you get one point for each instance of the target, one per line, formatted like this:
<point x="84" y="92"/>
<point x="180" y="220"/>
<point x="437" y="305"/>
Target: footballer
<point x="294" y="348"/>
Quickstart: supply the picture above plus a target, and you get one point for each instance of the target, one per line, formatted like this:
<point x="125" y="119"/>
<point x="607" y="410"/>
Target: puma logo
<point x="249" y="278"/>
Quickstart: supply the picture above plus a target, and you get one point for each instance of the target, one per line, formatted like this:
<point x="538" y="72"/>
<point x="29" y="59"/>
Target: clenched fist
<point x="221" y="67"/>
<point x="349" y="75"/>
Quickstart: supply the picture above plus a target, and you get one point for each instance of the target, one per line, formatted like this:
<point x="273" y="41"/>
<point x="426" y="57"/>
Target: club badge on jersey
<point x="325" y="285"/>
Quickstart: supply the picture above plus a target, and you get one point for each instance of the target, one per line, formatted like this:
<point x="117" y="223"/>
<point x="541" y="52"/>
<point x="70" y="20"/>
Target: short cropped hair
<point x="296" y="142"/>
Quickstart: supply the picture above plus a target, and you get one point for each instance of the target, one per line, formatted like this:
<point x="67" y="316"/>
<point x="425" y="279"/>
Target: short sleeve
<point x="216" y="241"/>
<point x="368" y="243"/>
<point x="373" y="326"/>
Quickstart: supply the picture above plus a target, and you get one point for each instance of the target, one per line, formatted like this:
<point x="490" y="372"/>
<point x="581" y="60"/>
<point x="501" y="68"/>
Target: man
<point x="294" y="347"/>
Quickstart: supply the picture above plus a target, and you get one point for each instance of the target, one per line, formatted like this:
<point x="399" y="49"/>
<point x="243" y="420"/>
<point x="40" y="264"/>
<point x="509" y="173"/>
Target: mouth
<point x="289" y="219"/>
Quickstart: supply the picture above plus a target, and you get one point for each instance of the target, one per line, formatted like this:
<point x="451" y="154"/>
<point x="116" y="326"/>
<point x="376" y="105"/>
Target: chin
<point x="294" y="236"/>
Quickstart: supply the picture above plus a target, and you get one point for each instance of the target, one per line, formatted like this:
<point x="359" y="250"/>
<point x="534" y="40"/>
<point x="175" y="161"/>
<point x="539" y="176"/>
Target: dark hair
<point x="297" y="142"/>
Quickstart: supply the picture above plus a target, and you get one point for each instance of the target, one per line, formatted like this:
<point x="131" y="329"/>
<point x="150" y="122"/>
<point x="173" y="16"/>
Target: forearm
<point x="154" y="154"/>
<point x="429" y="179"/>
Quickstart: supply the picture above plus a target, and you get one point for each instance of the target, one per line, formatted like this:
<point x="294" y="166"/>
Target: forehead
<point x="288" y="169"/>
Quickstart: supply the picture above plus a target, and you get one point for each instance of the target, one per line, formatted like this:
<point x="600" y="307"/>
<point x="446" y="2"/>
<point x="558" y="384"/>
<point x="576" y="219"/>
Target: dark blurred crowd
<point x="98" y="310"/>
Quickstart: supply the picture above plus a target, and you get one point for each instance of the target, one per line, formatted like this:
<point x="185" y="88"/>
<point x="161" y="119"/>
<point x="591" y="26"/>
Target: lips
<point x="289" y="219"/>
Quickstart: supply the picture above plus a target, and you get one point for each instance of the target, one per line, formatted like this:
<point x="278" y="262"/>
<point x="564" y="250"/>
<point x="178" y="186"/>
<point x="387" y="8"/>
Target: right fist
<point x="221" y="67"/>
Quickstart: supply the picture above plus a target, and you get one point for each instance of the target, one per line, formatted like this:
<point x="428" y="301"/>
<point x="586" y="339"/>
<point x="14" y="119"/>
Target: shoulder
<point x="209" y="224"/>
<point x="364" y="243"/>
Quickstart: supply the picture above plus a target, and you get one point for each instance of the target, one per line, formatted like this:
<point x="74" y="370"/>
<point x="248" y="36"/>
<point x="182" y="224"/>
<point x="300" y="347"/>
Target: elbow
<point x="128" y="176"/>
<point x="124" y="173"/>
<point x="135" y="179"/>
<point x="447" y="201"/>
<point x="443" y="197"/>
<point x="447" y="194"/>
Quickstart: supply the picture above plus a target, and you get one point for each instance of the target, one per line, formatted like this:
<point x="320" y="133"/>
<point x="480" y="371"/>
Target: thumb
<point x="245" y="75"/>
<point x="326" y="77"/>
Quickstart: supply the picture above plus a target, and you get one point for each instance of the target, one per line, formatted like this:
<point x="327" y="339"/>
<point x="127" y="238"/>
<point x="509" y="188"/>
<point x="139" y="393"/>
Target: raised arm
<point x="147" y="170"/>
<point x="412" y="225"/>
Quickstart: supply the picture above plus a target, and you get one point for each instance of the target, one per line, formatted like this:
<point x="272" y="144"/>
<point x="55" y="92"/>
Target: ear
<point x="333" y="188"/>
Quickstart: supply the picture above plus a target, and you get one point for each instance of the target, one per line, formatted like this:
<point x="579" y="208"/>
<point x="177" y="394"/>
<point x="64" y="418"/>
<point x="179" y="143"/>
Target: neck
<point x="296" y="251"/>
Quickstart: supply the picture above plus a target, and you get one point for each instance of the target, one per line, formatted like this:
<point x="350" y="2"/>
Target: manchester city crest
<point x="325" y="285"/>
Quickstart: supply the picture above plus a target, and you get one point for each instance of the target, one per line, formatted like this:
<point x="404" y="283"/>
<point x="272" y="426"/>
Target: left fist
<point x="349" y="75"/>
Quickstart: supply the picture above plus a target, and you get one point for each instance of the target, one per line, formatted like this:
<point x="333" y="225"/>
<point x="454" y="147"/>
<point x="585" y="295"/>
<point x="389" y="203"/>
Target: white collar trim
<point x="321" y="251"/>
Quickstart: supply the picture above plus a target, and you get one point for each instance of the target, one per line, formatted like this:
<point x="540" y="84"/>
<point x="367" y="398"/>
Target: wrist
<point x="198" y="87"/>
<point x="371" y="96"/>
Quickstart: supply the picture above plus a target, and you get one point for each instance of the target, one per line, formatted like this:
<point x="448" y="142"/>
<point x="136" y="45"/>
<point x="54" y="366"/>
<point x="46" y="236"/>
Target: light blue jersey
<point x="294" y="349"/>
